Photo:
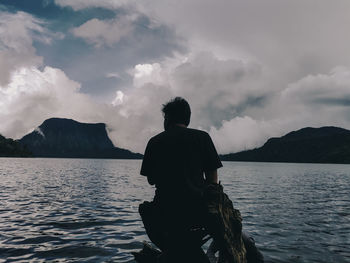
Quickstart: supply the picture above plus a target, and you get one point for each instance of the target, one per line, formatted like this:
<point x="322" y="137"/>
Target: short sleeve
<point x="147" y="162"/>
<point x="210" y="156"/>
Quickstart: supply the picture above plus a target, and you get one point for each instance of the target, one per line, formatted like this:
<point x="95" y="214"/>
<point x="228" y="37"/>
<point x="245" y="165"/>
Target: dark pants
<point x="177" y="241"/>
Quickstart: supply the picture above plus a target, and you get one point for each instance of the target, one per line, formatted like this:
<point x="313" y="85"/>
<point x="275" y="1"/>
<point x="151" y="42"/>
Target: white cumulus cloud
<point x="104" y="32"/>
<point x="16" y="38"/>
<point x="119" y="97"/>
<point x="33" y="95"/>
<point x="148" y="73"/>
<point x="231" y="100"/>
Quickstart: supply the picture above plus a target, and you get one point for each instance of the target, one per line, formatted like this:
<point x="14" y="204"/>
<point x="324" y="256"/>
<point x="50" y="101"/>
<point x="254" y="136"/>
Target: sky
<point x="250" y="69"/>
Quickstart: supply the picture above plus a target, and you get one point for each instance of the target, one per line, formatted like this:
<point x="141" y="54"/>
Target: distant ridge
<point x="66" y="138"/>
<point x="307" y="145"/>
<point x="11" y="148"/>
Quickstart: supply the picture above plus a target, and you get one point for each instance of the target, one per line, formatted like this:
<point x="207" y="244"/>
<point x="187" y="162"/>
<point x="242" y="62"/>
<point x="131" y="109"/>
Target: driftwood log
<point x="149" y="254"/>
<point x="181" y="245"/>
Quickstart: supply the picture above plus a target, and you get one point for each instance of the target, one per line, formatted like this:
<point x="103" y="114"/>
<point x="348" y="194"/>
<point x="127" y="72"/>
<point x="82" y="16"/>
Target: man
<point x="180" y="162"/>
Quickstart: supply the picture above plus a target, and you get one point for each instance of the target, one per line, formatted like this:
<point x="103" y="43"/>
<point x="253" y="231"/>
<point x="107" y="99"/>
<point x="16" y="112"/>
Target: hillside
<point x="11" y="148"/>
<point x="66" y="138"/>
<point x="308" y="145"/>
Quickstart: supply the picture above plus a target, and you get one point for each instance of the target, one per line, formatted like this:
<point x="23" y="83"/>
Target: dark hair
<point x="177" y="110"/>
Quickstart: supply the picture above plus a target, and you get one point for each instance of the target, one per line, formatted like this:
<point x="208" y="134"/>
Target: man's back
<point x="175" y="161"/>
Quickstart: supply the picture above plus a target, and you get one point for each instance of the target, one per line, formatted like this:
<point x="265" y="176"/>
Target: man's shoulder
<point x="163" y="136"/>
<point x="199" y="132"/>
<point x="157" y="137"/>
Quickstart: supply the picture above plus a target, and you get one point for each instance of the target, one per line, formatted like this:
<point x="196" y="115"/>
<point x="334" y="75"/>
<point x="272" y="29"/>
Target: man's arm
<point x="147" y="167"/>
<point x="211" y="176"/>
<point x="211" y="160"/>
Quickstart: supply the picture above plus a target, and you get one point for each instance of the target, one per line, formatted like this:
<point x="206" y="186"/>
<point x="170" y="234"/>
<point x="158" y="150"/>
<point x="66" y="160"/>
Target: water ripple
<point x="72" y="210"/>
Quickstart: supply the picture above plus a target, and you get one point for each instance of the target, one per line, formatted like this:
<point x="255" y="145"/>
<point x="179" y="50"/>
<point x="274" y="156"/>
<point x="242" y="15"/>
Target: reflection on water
<point x="74" y="210"/>
<point x="70" y="209"/>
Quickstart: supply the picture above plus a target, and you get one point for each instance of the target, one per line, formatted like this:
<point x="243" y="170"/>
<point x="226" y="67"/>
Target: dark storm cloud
<point x="333" y="101"/>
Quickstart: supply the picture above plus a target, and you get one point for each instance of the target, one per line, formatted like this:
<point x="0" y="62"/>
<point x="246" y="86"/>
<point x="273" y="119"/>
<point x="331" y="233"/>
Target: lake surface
<point x="79" y="210"/>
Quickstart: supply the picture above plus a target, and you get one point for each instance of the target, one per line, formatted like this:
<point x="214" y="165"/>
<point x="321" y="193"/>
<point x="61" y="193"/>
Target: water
<point x="76" y="210"/>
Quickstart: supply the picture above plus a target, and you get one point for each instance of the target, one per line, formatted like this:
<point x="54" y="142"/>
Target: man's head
<point x="176" y="111"/>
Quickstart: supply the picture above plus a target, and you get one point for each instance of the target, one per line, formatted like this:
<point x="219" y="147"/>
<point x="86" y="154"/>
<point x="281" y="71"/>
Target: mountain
<point x="11" y="148"/>
<point x="66" y="138"/>
<point x="308" y="145"/>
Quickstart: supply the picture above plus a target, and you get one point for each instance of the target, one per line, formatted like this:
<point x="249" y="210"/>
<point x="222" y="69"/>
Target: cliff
<point x="66" y="138"/>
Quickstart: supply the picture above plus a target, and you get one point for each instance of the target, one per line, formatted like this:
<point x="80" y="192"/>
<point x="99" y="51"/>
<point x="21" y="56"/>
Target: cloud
<point x="33" y="95"/>
<point x="315" y="100"/>
<point x="247" y="73"/>
<point x="18" y="31"/>
<point x="83" y="4"/>
<point x="29" y="91"/>
<point x="219" y="89"/>
<point x="231" y="99"/>
<point x="134" y="115"/>
<point x="104" y="32"/>
<point x="322" y="89"/>
<point x="222" y="94"/>
<point x="148" y="73"/>
<point x="16" y="37"/>
<point x="243" y="133"/>
<point x="216" y="90"/>
<point x="306" y="37"/>
<point x="113" y="75"/>
<point x="119" y="97"/>
<point x="122" y="39"/>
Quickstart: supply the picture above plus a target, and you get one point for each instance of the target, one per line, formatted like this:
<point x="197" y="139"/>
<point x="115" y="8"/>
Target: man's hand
<point x="150" y="181"/>
<point x="211" y="176"/>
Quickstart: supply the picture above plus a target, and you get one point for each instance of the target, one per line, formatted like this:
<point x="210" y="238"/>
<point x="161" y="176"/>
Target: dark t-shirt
<point x="175" y="161"/>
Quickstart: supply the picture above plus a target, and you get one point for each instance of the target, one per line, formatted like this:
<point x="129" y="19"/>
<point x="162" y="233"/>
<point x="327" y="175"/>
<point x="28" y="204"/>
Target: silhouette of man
<point x="180" y="162"/>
